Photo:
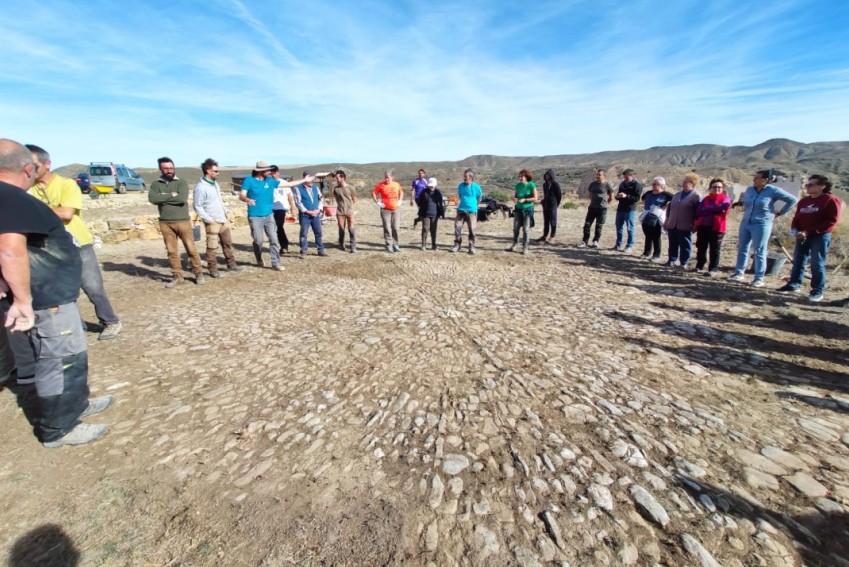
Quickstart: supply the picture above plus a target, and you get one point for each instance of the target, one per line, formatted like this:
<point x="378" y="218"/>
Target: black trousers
<point x="280" y="221"/>
<point x="598" y="216"/>
<point x="549" y="219"/>
<point x="708" y="239"/>
<point x="652" y="229"/>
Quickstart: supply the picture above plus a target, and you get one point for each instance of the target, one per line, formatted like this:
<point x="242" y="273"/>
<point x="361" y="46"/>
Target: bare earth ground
<point x="574" y="407"/>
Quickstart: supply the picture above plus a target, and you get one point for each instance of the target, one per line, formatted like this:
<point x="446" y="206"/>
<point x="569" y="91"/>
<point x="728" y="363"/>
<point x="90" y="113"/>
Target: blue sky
<point x="330" y="81"/>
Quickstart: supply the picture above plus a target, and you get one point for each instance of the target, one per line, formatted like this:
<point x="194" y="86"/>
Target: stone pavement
<point x="575" y="407"/>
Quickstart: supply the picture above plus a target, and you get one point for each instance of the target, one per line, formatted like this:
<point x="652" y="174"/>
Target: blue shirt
<point x="650" y="199"/>
<point x="418" y="186"/>
<point x="759" y="208"/>
<point x="470" y="195"/>
<point x="262" y="192"/>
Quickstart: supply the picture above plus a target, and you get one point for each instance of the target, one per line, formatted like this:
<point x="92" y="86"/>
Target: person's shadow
<point x="45" y="546"/>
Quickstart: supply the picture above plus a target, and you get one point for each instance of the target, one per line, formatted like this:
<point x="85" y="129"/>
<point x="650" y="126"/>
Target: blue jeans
<point x="757" y="237"/>
<point x="623" y="217"/>
<point x="92" y="286"/>
<point x="815" y="248"/>
<point x="307" y="222"/>
<point x="680" y="245"/>
<point x="265" y="225"/>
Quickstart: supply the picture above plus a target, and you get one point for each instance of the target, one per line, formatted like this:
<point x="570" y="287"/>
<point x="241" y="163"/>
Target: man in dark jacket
<point x="551" y="196"/>
<point x="630" y="191"/>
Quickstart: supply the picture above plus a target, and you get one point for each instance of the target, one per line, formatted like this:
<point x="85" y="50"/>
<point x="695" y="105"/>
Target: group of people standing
<point x="686" y="212"/>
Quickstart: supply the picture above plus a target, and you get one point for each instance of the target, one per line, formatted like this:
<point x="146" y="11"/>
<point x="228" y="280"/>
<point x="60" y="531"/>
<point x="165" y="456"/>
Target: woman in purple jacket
<point x="680" y="218"/>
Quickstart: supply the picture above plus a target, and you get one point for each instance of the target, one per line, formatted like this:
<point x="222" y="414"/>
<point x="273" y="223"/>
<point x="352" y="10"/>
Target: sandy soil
<point x="428" y="407"/>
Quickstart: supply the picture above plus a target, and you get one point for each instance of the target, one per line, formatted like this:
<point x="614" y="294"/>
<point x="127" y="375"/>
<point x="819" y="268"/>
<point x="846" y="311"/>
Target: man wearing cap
<point x="43" y="349"/>
<point x="171" y="195"/>
<point x="469" y="194"/>
<point x="309" y="205"/>
<point x="388" y="194"/>
<point x="431" y="209"/>
<point x="210" y="210"/>
<point x="418" y="185"/>
<point x="630" y="191"/>
<point x="65" y="198"/>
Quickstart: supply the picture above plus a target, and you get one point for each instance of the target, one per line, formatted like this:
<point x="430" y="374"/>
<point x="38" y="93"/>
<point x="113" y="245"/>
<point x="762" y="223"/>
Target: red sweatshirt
<point x="816" y="215"/>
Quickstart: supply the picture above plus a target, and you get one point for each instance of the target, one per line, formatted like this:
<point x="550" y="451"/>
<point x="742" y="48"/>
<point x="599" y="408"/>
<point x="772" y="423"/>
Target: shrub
<point x="569" y="205"/>
<point x="500" y="196"/>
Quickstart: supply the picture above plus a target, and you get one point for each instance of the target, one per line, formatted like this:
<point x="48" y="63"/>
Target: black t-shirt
<point x="54" y="259"/>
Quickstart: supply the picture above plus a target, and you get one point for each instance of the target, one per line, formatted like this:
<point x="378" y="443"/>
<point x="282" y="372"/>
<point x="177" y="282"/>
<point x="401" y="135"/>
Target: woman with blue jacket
<point x="759" y="201"/>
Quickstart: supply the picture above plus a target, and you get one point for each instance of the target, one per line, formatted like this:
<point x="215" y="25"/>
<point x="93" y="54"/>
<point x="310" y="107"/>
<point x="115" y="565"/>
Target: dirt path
<point x="574" y="406"/>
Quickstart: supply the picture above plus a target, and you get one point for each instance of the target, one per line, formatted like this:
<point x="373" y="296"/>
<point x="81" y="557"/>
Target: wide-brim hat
<point x="263" y="165"/>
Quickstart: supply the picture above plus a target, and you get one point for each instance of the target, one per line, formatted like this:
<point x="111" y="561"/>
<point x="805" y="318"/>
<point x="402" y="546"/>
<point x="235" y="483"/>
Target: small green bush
<point x="569" y="205"/>
<point x="500" y="196"/>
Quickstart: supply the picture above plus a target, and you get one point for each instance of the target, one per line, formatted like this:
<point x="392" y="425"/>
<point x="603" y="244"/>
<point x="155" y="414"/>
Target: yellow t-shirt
<point x="64" y="192"/>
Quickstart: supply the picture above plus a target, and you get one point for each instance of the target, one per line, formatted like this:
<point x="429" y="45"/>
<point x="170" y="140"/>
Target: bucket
<point x="329" y="210"/>
<point x="774" y="263"/>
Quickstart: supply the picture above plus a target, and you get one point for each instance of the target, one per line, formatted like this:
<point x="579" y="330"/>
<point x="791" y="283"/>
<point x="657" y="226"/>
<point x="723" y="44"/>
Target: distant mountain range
<point x="735" y="163"/>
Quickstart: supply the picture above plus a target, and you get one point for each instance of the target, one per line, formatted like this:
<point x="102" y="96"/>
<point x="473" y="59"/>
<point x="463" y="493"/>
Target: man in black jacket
<point x="630" y="191"/>
<point x="551" y="196"/>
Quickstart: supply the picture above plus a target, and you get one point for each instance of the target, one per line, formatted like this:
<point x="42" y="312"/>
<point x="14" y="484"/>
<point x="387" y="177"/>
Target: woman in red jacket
<point x="816" y="216"/>
<point x="710" y="226"/>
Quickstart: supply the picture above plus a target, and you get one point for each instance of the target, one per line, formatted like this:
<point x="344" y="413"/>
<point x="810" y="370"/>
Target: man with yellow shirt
<point x="65" y="198"/>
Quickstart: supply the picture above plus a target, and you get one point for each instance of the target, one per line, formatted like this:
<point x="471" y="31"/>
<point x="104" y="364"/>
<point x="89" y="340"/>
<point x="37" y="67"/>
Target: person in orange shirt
<point x="388" y="194"/>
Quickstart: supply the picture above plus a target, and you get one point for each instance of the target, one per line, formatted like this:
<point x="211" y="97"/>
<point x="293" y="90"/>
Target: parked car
<point x="107" y="177"/>
<point x="84" y="182"/>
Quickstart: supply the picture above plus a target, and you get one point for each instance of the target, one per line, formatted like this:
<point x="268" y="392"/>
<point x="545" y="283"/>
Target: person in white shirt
<point x="283" y="205"/>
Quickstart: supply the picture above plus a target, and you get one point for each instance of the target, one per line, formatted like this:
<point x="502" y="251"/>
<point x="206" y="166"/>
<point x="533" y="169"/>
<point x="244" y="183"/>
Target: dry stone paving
<point x="573" y="407"/>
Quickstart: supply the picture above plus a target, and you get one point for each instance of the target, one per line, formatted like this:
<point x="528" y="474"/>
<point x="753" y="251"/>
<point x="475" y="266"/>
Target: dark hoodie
<point x="551" y="193"/>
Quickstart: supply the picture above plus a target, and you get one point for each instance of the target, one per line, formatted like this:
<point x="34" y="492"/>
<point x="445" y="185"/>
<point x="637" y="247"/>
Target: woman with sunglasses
<point x="711" y="217"/>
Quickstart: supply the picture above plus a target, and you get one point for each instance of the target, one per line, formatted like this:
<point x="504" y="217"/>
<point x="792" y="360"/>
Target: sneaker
<point x="710" y="274"/>
<point x="455" y="248"/>
<point x="582" y="245"/>
<point x="353" y="250"/>
<point x="260" y="264"/>
<point x="236" y="268"/>
<point x="472" y="251"/>
<point x="815" y="297"/>
<point x="525" y="251"/>
<point x="510" y="248"/>
<point x="670" y="264"/>
<point x="787" y="288"/>
<point x="541" y="239"/>
<point x="109" y="332"/>
<point x="757" y="283"/>
<point x="80" y="435"/>
<point x="199" y="280"/>
<point x="645" y="256"/>
<point x="423" y="248"/>
<point x="628" y="250"/>
<point x="737" y="277"/>
<point x="433" y="247"/>
<point x="396" y="248"/>
<point x="96" y="405"/>
<point x="617" y="249"/>
<point x="174" y="283"/>
<point x="278" y="268"/>
<point x="656" y="259"/>
<point x="216" y="275"/>
<point x="302" y="255"/>
<point x="594" y="244"/>
<point x="322" y="252"/>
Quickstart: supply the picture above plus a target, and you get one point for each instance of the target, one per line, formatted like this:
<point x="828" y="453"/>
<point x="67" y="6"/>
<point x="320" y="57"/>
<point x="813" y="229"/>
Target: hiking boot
<point x="236" y="268"/>
<point x="433" y="247"/>
<point x="111" y="331"/>
<point x="455" y="248"/>
<point x="582" y="245"/>
<point x="302" y="255"/>
<point x="96" y="405"/>
<point x="199" y="280"/>
<point x="80" y="435"/>
<point x="216" y="275"/>
<point x="260" y="263"/>
<point x="174" y="283"/>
